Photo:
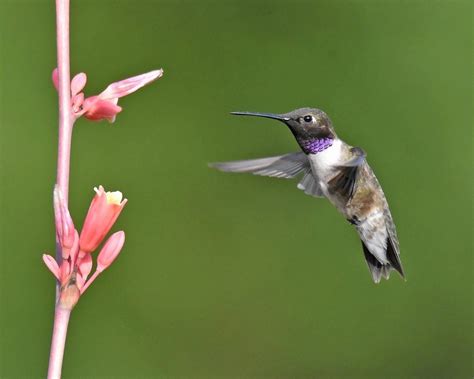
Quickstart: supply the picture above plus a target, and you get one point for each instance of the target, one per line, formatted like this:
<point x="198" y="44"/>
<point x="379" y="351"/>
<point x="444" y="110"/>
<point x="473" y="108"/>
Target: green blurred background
<point x="236" y="276"/>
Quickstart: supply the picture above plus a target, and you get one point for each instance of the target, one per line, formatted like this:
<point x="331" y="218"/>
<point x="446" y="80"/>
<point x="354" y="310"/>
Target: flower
<point x="75" y="264"/>
<point x="104" y="105"/>
<point x="103" y="211"/>
<point x="97" y="109"/>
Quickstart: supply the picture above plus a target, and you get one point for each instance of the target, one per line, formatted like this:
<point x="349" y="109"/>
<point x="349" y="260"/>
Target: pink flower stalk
<point x="104" y="105"/>
<point x="102" y="214"/>
<point x="73" y="262"/>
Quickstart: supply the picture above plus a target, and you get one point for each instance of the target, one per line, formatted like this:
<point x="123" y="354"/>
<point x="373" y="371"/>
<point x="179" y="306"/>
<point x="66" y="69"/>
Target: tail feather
<point x="394" y="258"/>
<point x="378" y="269"/>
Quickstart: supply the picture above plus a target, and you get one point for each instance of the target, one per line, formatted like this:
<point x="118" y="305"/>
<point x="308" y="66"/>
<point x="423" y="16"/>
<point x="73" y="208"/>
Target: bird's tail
<point x="378" y="269"/>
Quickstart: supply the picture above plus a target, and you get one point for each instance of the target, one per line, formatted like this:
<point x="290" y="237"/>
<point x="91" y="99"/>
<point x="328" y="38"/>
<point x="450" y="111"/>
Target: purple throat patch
<point x="314" y="146"/>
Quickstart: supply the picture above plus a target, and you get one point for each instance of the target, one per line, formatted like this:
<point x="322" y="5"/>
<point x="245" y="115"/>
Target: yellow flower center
<point x="114" y="197"/>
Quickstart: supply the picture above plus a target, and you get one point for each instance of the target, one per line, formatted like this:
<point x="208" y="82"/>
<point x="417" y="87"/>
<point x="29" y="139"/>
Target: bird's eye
<point x="308" y="118"/>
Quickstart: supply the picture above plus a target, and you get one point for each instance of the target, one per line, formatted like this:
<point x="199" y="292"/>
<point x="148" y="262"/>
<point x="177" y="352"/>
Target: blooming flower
<point x="104" y="105"/>
<point x="74" y="268"/>
<point x="103" y="211"/>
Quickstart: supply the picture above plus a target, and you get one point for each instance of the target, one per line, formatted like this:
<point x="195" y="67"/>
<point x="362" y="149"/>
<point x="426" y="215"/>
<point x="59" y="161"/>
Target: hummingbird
<point x="331" y="168"/>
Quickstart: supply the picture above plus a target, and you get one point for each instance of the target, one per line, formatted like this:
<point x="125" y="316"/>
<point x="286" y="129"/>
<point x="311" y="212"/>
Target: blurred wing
<point x="309" y="184"/>
<point x="357" y="157"/>
<point x="284" y="166"/>
<point x="345" y="179"/>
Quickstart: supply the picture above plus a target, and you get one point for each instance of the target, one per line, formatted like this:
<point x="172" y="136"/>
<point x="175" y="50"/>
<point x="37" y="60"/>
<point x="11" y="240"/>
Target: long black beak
<point x="266" y="115"/>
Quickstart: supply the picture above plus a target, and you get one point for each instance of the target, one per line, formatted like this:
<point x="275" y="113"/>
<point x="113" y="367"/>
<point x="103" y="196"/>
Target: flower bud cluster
<point x="104" y="105"/>
<point x="76" y="262"/>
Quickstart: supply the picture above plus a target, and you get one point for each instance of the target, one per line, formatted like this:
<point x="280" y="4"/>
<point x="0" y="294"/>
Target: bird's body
<point x="333" y="169"/>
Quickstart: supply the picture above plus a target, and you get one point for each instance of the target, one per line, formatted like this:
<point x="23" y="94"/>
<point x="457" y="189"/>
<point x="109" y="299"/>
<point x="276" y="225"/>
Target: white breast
<point x="323" y="163"/>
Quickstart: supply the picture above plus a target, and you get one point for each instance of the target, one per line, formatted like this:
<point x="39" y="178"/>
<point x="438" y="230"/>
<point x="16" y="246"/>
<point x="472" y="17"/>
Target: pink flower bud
<point x="110" y="250"/>
<point x="127" y="86"/>
<point x="103" y="106"/>
<point x="77" y="101"/>
<point x="51" y="263"/>
<point x="65" y="271"/>
<point x="84" y="267"/>
<point x="78" y="83"/>
<point x="74" y="250"/>
<point x="102" y="214"/>
<point x="97" y="109"/>
<point x="55" y="78"/>
<point x="64" y="224"/>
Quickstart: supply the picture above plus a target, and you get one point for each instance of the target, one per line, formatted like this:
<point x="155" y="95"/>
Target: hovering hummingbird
<point x="331" y="168"/>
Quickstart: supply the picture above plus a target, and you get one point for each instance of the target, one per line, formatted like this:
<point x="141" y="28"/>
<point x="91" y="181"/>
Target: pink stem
<point x="61" y="320"/>
<point x="65" y="114"/>
<point x="61" y="316"/>
<point x="89" y="282"/>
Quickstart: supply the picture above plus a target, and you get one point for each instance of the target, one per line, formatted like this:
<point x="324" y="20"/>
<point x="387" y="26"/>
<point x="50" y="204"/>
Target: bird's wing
<point x="310" y="185"/>
<point x="344" y="181"/>
<point x="357" y="157"/>
<point x="283" y="166"/>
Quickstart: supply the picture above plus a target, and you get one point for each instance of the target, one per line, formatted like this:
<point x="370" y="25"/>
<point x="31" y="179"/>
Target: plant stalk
<point x="65" y="115"/>
<point x="61" y="320"/>
<point x="62" y="314"/>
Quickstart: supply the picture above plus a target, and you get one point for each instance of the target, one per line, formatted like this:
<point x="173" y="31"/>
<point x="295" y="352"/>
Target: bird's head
<point x="310" y="126"/>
